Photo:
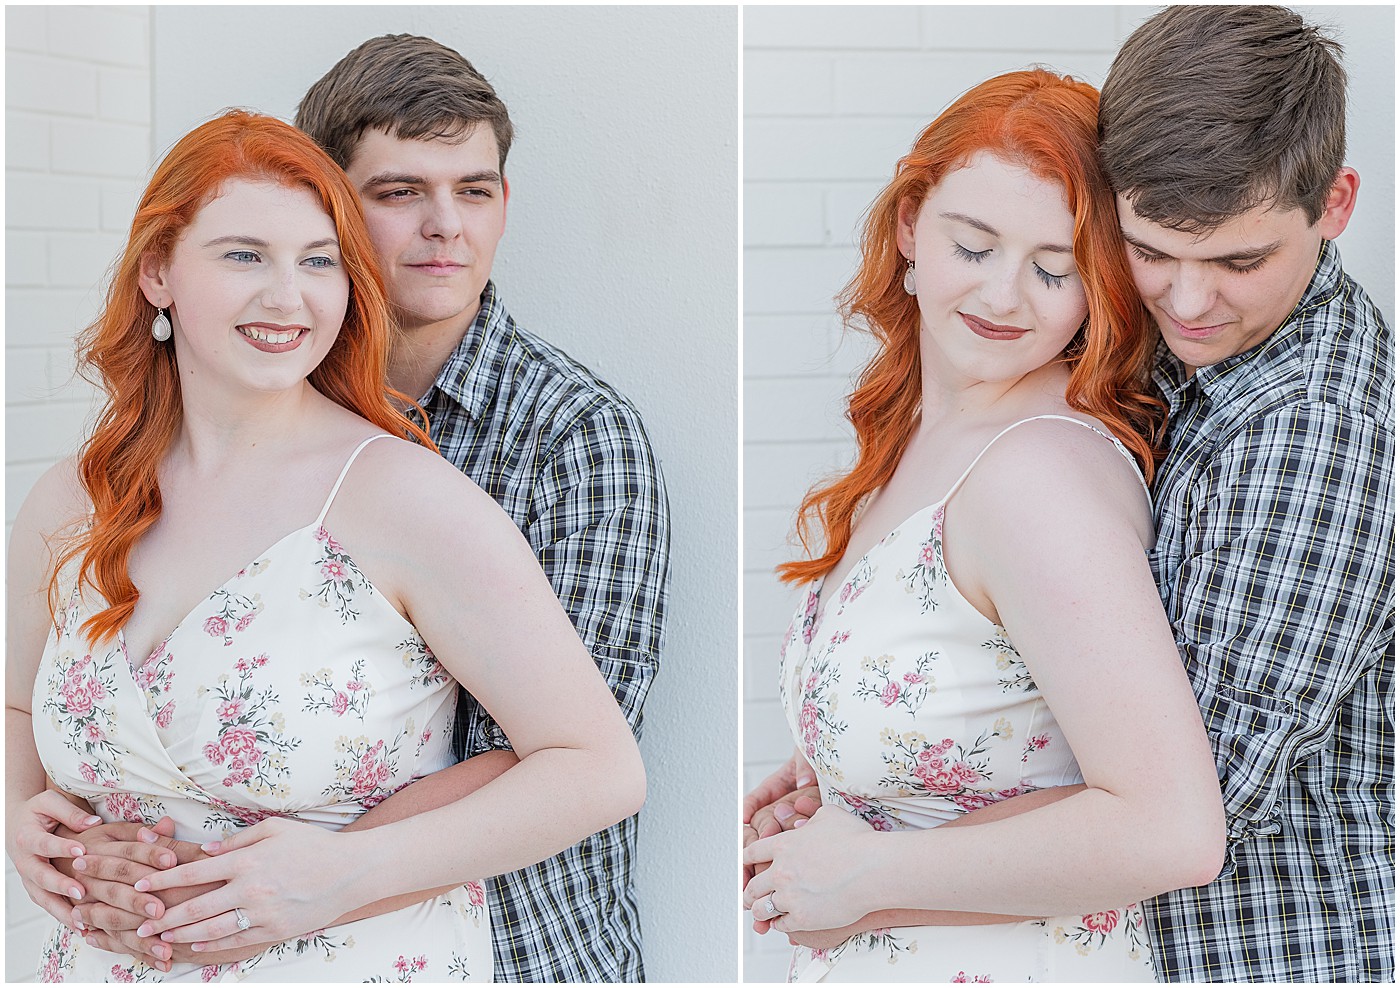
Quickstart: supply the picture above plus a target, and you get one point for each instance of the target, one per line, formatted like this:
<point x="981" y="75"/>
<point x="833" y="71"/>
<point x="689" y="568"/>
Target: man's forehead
<point x="1258" y="230"/>
<point x="469" y="142"/>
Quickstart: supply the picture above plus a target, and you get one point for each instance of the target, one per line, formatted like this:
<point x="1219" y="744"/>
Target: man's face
<point x="1220" y="294"/>
<point x="435" y="211"/>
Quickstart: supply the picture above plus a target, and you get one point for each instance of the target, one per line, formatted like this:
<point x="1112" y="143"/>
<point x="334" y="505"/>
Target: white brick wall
<point x="832" y="97"/>
<point x="78" y="147"/>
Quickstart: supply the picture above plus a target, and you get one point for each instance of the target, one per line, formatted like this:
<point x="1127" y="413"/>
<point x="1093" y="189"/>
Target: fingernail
<point x="77" y="850"/>
<point x="75" y="893"/>
<point x="145" y="930"/>
<point x="147" y="836"/>
<point x="167" y="860"/>
<point x="800" y="823"/>
<point x="92" y="820"/>
<point x="143" y="886"/>
<point x="152" y="911"/>
<point x="167" y="936"/>
<point x="196" y="947"/>
<point x="783" y="812"/>
<point x="211" y="847"/>
<point x="806" y="780"/>
<point x="79" y="864"/>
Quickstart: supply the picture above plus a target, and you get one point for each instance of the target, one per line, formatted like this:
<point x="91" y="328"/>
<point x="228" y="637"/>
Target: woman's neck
<point x="219" y="430"/>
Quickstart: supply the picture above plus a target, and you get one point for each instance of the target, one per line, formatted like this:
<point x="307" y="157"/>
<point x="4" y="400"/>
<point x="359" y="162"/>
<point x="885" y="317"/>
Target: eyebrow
<point x="403" y="178"/>
<point x="977" y="224"/>
<point x="243" y="241"/>
<point x="1251" y="254"/>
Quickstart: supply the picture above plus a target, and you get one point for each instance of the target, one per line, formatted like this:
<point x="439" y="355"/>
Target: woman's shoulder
<point x="57" y="500"/>
<point x="396" y="479"/>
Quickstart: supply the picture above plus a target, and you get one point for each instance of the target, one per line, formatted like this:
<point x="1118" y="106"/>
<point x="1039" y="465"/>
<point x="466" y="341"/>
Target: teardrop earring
<point x="160" y="326"/>
<point x="911" y="287"/>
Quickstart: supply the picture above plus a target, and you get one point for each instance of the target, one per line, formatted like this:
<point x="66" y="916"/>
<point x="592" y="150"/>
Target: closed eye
<point x="1050" y="280"/>
<point x="975" y="256"/>
<point x="1143" y="255"/>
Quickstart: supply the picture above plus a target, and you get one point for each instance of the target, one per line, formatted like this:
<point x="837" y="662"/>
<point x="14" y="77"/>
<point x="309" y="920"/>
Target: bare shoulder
<point x="1057" y="471"/>
<point x="57" y="501"/>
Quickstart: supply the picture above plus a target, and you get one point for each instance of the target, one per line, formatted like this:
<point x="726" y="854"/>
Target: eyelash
<point x="1142" y="255"/>
<point x="1047" y="279"/>
<point x="251" y="256"/>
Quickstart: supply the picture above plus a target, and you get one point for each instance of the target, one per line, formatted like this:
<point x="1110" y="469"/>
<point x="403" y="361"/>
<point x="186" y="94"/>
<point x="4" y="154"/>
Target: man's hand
<point x="783" y="801"/>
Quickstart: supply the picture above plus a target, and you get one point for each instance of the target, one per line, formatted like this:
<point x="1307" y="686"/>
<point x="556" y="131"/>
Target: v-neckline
<point x="161" y="642"/>
<point x="818" y="586"/>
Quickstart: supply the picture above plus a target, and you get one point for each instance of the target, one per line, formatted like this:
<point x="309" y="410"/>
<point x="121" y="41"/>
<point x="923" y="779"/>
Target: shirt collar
<point x="467" y="377"/>
<point x="1169" y="374"/>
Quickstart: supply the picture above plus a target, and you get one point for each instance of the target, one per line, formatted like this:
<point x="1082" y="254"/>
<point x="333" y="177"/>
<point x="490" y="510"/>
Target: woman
<point x="248" y="432"/>
<point x="1006" y="637"/>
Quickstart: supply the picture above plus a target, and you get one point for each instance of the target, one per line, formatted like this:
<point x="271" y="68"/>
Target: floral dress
<point x="294" y="690"/>
<point x="913" y="709"/>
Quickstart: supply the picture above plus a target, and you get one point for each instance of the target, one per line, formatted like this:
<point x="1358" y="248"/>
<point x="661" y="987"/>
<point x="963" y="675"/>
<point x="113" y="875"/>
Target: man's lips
<point x="1194" y="332"/>
<point x="992" y="331"/>
<point x="437" y="266"/>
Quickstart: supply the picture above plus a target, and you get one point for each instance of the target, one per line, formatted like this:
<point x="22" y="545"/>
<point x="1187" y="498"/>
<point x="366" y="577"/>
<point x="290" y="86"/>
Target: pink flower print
<point x="165" y="715"/>
<point x="880" y="823"/>
<point x="122" y="806"/>
<point x="355" y="685"/>
<point x="926" y="554"/>
<point x="92" y="732"/>
<point x="244" y="621"/>
<point x="979" y="979"/>
<point x="938" y="524"/>
<point x="889" y="694"/>
<point x="913" y="678"/>
<point x="807" y="722"/>
<point x="79" y="697"/>
<point x="214" y="753"/>
<point x="340" y="704"/>
<point x="324" y="536"/>
<point x="1103" y="922"/>
<point x="371" y="773"/>
<point x="88" y="773"/>
<point x="1037" y="742"/>
<point x="122" y="974"/>
<point x="476" y="894"/>
<point x="146" y="675"/>
<point x="230" y="709"/>
<point x="238" y="772"/>
<point x="209" y="972"/>
<point x="216" y="627"/>
<point x="427" y="736"/>
<point x="260" y="660"/>
<point x="240" y="743"/>
<point x="242" y="665"/>
<point x="335" y="570"/>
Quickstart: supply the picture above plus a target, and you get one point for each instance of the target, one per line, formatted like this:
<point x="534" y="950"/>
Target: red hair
<point x="118" y="464"/>
<point x="1047" y="124"/>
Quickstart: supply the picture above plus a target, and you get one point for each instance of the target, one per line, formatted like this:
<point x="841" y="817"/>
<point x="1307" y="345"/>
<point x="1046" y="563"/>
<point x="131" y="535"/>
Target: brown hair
<point x="1210" y="111"/>
<point x="411" y="87"/>
<point x="1045" y="123"/>
<point x="119" y="464"/>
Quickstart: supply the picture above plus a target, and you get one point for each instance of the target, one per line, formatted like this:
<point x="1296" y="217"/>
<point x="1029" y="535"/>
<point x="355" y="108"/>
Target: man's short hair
<point x="1210" y="111"/>
<point x="411" y="87"/>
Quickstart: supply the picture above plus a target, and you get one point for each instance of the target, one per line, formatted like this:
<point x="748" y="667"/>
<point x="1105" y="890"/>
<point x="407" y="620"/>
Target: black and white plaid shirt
<point x="567" y="458"/>
<point x="1274" y="557"/>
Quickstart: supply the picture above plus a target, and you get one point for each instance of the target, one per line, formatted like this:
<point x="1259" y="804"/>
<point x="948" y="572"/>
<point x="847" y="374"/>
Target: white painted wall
<point x="833" y="96"/>
<point x="619" y="247"/>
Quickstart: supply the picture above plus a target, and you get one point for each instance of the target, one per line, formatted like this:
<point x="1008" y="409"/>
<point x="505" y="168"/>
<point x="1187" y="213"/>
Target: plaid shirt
<point x="1274" y="558"/>
<point x="568" y="460"/>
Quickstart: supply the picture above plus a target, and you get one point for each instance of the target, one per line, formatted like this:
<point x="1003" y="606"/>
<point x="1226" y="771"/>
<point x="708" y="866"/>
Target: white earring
<point x="910" y="286"/>
<point x="160" y="326"/>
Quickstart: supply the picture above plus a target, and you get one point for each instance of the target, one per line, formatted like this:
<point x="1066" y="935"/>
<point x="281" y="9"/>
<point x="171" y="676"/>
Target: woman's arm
<point x="1048" y="536"/>
<point x="472" y="586"/>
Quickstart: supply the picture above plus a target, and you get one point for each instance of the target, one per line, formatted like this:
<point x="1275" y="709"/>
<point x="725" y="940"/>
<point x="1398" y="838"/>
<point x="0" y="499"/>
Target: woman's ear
<point x="153" y="279"/>
<point x="908" y="217"/>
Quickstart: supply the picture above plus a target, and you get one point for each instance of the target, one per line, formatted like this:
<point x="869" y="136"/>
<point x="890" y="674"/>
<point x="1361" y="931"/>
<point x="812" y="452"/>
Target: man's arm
<point x="1280" y="604"/>
<point x="600" y="525"/>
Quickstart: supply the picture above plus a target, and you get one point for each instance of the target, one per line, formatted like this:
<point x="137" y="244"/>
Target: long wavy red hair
<point x="1048" y="124"/>
<point x="118" y="464"/>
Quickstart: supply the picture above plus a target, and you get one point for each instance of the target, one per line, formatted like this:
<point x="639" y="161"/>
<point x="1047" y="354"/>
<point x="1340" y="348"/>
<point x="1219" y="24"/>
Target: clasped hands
<point x="136" y="890"/>
<point x="788" y="864"/>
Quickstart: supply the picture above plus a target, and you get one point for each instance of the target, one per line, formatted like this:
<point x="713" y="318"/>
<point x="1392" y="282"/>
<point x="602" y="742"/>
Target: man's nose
<point x="1192" y="293"/>
<point x="442" y="221"/>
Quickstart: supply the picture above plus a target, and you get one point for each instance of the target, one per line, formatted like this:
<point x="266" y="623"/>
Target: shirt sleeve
<point x="1281" y="603"/>
<point x="599" y="523"/>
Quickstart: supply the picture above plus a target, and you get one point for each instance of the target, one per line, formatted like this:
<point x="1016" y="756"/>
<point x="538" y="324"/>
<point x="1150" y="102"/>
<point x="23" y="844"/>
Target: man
<point x="424" y="137"/>
<point x="1223" y="131"/>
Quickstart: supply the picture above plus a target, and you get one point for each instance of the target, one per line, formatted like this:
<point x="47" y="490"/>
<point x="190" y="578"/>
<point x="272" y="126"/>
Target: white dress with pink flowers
<point x="914" y="709"/>
<point x="296" y="690"/>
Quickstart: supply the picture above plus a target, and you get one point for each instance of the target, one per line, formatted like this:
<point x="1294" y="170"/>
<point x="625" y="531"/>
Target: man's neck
<point x="417" y="356"/>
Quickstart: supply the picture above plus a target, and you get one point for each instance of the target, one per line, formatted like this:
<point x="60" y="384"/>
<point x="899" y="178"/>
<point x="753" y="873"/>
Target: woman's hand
<point x="813" y="875"/>
<point x="31" y="842"/>
<point x="284" y="877"/>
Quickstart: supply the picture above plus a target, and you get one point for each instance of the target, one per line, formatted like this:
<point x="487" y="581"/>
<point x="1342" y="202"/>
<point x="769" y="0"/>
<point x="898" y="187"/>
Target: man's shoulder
<point x="1345" y="356"/>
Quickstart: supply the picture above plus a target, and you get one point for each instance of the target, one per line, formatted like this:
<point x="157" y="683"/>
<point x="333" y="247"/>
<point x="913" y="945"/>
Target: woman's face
<point x="999" y="294"/>
<point x="256" y="289"/>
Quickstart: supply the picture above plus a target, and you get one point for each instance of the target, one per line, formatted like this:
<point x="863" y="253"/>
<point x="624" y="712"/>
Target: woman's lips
<point x="273" y="339"/>
<point x="991" y="330"/>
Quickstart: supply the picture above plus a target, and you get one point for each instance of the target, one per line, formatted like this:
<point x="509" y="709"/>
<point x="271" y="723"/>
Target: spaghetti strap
<point x="1064" y="418"/>
<point x="341" y="479"/>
